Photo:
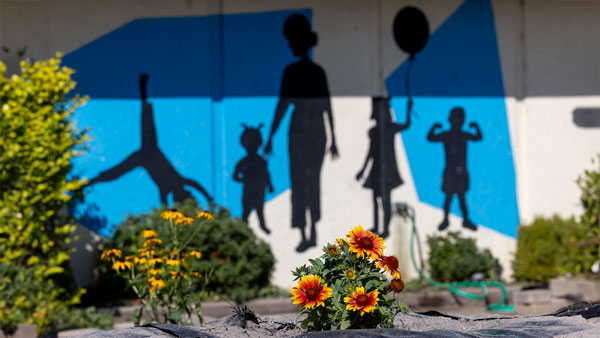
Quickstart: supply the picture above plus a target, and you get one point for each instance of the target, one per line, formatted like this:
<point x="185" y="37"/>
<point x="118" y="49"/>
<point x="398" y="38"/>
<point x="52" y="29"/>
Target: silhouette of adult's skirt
<point x="307" y="150"/>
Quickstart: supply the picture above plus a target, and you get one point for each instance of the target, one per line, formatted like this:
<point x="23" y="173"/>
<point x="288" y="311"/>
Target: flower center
<point x="391" y="262"/>
<point x="311" y="293"/>
<point x="362" y="300"/>
<point x="366" y="243"/>
<point x="397" y="285"/>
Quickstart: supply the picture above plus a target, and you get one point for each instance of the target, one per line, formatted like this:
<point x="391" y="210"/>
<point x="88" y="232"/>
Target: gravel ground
<point x="411" y="325"/>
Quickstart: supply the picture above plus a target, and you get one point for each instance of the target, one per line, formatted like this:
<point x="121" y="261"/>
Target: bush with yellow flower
<point x="350" y="286"/>
<point x="163" y="274"/>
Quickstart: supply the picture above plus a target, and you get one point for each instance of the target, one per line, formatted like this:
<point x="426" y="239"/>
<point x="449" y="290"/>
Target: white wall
<point x="550" y="56"/>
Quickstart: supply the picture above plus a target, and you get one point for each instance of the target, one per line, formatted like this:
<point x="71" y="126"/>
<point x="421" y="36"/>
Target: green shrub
<point x="589" y="184"/>
<point x="454" y="258"/>
<point x="240" y="264"/>
<point x="37" y="143"/>
<point x="550" y="247"/>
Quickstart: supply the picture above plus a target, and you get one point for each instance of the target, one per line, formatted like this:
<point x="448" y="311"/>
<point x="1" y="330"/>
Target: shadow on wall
<point x="587" y="117"/>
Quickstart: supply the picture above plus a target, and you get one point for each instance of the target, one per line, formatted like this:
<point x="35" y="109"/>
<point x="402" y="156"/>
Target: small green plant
<point x="346" y="287"/>
<point x="589" y="184"/>
<point x="240" y="264"/>
<point x="550" y="247"/>
<point x="164" y="272"/>
<point x="455" y="258"/>
<point x="37" y="143"/>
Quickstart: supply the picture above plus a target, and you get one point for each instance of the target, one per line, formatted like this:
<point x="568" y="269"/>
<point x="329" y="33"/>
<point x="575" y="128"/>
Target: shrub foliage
<point x="37" y="142"/>
<point x="455" y="258"/>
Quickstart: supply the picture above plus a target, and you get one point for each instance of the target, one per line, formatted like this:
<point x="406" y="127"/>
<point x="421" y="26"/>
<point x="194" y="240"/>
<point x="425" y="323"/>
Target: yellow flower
<point x="139" y="260"/>
<point x="205" y="215"/>
<point x="149" y="243"/>
<point x="196" y="254"/>
<point x="197" y="274"/>
<point x="156" y="283"/>
<point x="121" y="265"/>
<point x="171" y="214"/>
<point x="155" y="271"/>
<point x="177" y="275"/>
<point x="148" y="233"/>
<point x="184" y="221"/>
<point x="129" y="258"/>
<point x="173" y="262"/>
<point x="390" y="264"/>
<point x="107" y="254"/>
<point x="153" y="261"/>
<point x="341" y="242"/>
<point x="147" y="252"/>
<point x="350" y="274"/>
<point x="361" y="301"/>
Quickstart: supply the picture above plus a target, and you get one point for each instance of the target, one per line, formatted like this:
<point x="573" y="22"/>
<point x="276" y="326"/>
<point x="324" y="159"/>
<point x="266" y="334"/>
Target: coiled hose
<point x="454" y="287"/>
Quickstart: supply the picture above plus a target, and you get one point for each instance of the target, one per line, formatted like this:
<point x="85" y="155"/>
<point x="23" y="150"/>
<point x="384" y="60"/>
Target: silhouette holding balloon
<point x="455" y="177"/>
<point x="304" y="86"/>
<point x="151" y="158"/>
<point x="252" y="172"/>
<point x="411" y="32"/>
<point x="384" y="175"/>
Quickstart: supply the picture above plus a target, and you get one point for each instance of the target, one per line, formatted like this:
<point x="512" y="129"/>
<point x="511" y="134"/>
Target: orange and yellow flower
<point x="397" y="285"/>
<point x="155" y="260"/>
<point x="155" y="271"/>
<point x="332" y="250"/>
<point x="350" y="274"/>
<point x="341" y="242"/>
<point x="196" y="254"/>
<point x="364" y="243"/>
<point x="390" y="264"/>
<point x="107" y="254"/>
<point x="361" y="301"/>
<point x="184" y="221"/>
<point x="205" y="215"/>
<point x="173" y="262"/>
<point x="148" y="233"/>
<point x="309" y="292"/>
<point x="171" y="214"/>
<point x="118" y="265"/>
<point x="139" y="260"/>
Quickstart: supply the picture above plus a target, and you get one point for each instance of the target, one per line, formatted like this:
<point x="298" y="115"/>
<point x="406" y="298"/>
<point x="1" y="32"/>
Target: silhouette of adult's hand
<point x="334" y="151"/>
<point x="268" y="148"/>
<point x="359" y="175"/>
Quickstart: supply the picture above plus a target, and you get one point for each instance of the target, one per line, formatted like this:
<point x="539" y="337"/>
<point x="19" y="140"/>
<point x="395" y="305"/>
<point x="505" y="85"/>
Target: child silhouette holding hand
<point x="252" y="172"/>
<point x="456" y="176"/>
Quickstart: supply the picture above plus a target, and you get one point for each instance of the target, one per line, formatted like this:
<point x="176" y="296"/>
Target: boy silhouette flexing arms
<point x="456" y="177"/>
<point x="252" y="172"/>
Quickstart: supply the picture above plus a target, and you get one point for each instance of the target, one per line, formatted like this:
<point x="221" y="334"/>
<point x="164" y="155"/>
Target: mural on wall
<point x="384" y="175"/>
<point x="455" y="179"/>
<point x="460" y="67"/>
<point x="212" y="74"/>
<point x="152" y="159"/>
<point x="252" y="172"/>
<point x="304" y="86"/>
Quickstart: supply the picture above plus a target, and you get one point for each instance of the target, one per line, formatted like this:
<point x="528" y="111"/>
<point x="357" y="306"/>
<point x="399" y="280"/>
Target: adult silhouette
<point x="456" y="176"/>
<point x="304" y="85"/>
<point x="151" y="158"/>
<point x="384" y="175"/>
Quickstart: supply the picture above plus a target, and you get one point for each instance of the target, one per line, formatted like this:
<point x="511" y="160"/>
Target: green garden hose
<point x="454" y="287"/>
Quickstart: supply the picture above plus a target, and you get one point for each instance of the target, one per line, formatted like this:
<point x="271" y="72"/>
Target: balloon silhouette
<point x="411" y="30"/>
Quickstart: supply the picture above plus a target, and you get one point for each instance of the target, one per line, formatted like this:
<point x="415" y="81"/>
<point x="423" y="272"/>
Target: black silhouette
<point x="304" y="85"/>
<point x="411" y="32"/>
<point x="384" y="175"/>
<point x="153" y="160"/>
<point x="252" y="172"/>
<point x="456" y="176"/>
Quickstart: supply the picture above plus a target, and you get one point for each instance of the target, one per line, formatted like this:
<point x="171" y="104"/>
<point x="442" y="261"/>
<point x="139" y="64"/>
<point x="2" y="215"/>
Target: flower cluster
<point x="162" y="272"/>
<point x="347" y="288"/>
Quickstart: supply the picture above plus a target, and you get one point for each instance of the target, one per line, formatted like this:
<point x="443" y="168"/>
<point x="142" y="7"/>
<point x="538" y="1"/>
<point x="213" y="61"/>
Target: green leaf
<point x="345" y="324"/>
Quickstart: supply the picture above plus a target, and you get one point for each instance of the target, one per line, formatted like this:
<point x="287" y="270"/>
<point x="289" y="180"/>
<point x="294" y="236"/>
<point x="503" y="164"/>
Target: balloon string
<point x="407" y="83"/>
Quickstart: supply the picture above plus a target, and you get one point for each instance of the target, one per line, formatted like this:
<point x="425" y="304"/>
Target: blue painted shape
<point x="207" y="76"/>
<point x="460" y="66"/>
